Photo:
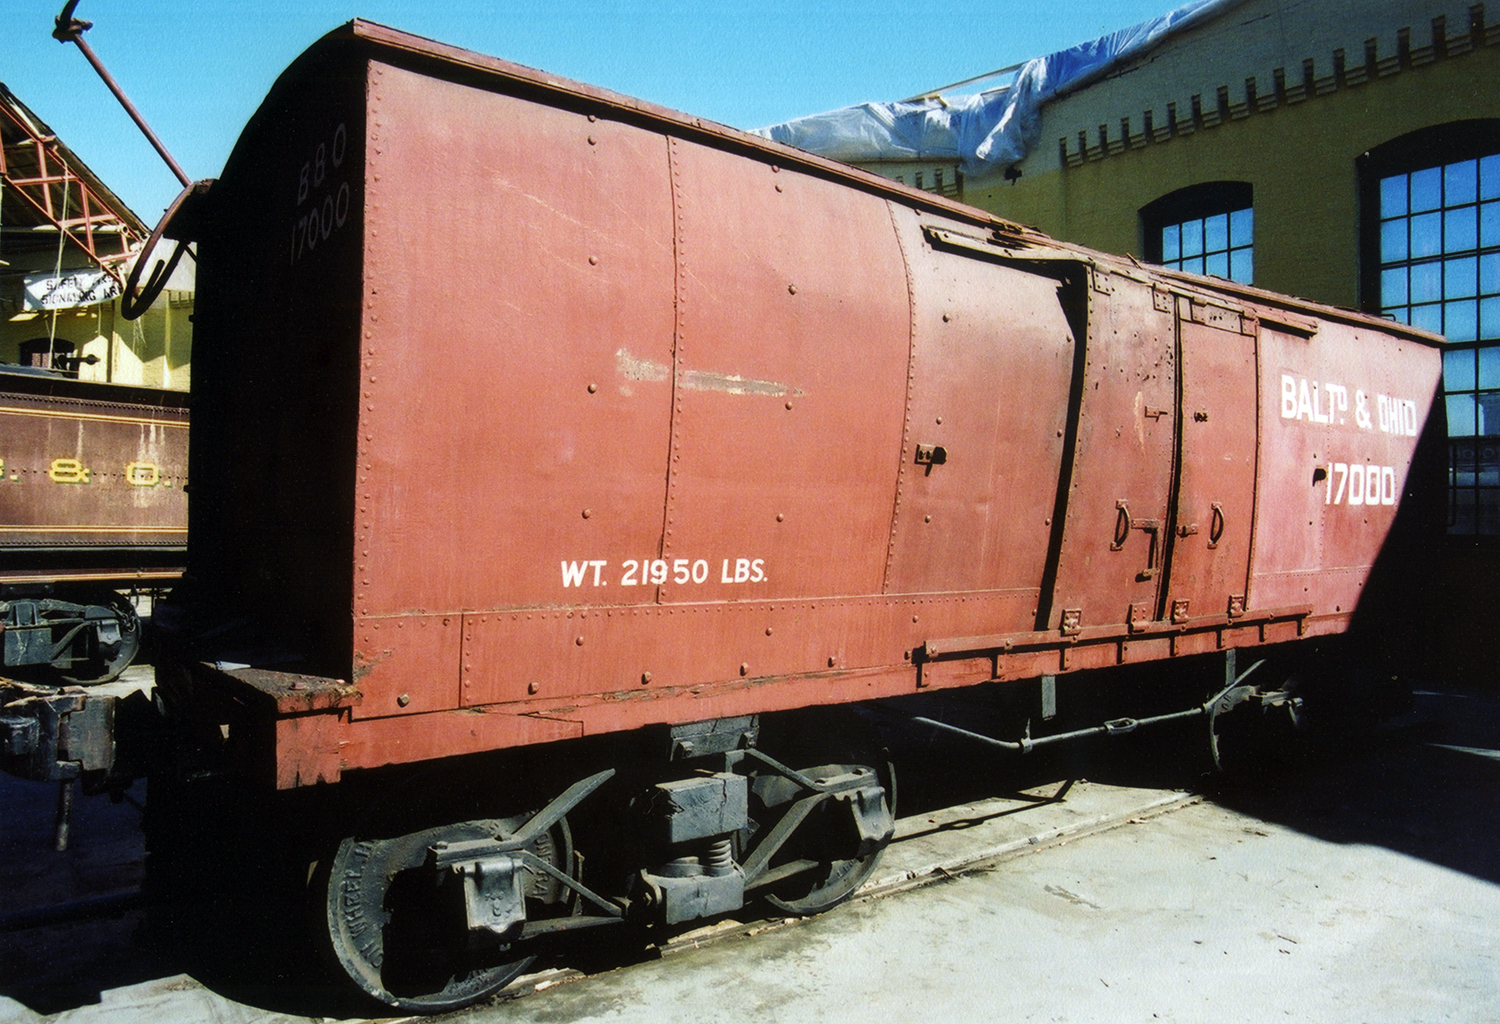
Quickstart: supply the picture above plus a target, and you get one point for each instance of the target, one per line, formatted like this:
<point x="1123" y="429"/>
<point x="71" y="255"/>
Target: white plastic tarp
<point x="984" y="132"/>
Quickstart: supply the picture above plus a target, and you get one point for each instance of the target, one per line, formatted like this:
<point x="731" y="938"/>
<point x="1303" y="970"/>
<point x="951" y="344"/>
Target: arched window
<point x="1204" y="229"/>
<point x="1430" y="257"/>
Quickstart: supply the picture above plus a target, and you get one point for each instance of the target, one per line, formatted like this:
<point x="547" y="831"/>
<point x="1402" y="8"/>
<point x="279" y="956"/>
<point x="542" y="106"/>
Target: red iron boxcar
<point x="552" y="450"/>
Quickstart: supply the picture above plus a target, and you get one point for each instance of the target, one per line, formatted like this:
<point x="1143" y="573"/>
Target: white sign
<point x="73" y="288"/>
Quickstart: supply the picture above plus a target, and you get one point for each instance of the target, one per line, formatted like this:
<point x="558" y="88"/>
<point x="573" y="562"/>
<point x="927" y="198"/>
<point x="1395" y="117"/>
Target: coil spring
<point x="719" y="857"/>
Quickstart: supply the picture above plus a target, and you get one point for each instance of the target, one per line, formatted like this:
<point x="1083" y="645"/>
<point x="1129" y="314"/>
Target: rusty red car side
<point x="592" y="416"/>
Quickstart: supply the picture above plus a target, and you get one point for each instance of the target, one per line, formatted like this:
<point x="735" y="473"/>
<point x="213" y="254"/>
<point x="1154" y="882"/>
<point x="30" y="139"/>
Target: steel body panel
<point x="790" y="381"/>
<point x="1324" y="438"/>
<point x="646" y="652"/>
<point x="561" y="339"/>
<point x="276" y="372"/>
<point x="374" y="742"/>
<point x="408" y="664"/>
<point x="992" y="367"/>
<point x="1210" y="533"/>
<point x="1110" y="563"/>
<point x="518" y="276"/>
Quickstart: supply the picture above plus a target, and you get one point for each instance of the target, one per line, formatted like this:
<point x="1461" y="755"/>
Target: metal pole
<point x="70" y="30"/>
<point x="64" y="814"/>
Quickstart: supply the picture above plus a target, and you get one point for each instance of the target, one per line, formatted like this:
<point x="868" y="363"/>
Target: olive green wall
<point x="155" y="350"/>
<point x="1300" y="159"/>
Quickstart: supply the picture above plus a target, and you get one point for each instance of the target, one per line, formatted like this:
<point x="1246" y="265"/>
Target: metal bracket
<point x="494" y="898"/>
<point x="871" y="818"/>
<point x="930" y="455"/>
<point x="495" y="893"/>
<point x="1141" y="615"/>
<point x="713" y="736"/>
<point x="1124" y="523"/>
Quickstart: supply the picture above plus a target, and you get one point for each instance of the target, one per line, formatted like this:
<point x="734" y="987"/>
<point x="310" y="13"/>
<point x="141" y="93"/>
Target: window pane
<point x="1458" y="370"/>
<point x="1489" y="177"/>
<point x="1171" y="243"/>
<point x="1426" y="235"/>
<point x="1489" y="321"/>
<point x="1440" y="270"/>
<point x="1461" y="182"/>
<point x="1428" y="318"/>
<point x="1400" y="314"/>
<point x="1393" y="196"/>
<point x="1489" y="273"/>
<point x="1393" y="287"/>
<point x="1242" y="266"/>
<point x="1242" y="226"/>
<point x="1461" y="462"/>
<point x="1426" y="282"/>
<point x="1462" y="514"/>
<point x="1460" y="415"/>
<point x="1488" y="423"/>
<point x="1192" y="238"/>
<point x="1426" y="189"/>
<point x="1216" y="232"/>
<point x="1459" y="229"/>
<point x="1207" y="245"/>
<point x="1489" y="224"/>
<point x="1461" y="320"/>
<point x="1486" y="462"/>
<point x="1393" y="241"/>
<point x="1486" y="511"/>
<point x="1460" y="278"/>
<point x="1489" y="367"/>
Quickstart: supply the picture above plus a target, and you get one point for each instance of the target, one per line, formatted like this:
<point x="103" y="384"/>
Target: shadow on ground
<point x="1424" y="786"/>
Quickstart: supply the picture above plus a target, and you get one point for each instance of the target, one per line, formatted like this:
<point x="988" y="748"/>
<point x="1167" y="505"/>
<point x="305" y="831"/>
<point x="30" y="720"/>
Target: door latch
<point x="930" y="455"/>
<point x="1124" y="524"/>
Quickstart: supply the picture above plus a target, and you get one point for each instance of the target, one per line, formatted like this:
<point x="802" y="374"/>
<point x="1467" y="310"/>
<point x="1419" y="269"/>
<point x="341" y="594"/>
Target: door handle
<point x="1216" y="525"/>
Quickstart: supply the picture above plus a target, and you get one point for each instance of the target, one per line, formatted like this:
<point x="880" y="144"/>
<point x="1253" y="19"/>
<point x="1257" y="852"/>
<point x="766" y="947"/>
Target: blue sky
<point x="199" y="69"/>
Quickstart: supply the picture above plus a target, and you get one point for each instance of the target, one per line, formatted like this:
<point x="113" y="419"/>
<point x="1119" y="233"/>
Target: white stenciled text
<point x="322" y="203"/>
<point x="1329" y="402"/>
<point x="1356" y="484"/>
<point x="658" y="572"/>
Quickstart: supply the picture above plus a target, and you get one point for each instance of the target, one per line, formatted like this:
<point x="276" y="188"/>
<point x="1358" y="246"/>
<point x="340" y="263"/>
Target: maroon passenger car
<point x="92" y="498"/>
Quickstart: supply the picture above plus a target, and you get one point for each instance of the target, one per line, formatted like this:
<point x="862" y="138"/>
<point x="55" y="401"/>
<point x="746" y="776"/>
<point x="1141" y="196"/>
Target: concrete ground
<point x="1202" y="915"/>
<point x="1362" y="892"/>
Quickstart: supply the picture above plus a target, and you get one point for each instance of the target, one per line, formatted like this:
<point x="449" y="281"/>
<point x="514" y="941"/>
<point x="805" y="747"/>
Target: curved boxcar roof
<point x="442" y="60"/>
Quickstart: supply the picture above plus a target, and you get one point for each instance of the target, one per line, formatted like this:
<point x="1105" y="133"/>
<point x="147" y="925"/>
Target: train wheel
<point x="115" y="641"/>
<point x="835" y="848"/>
<point x="397" y="926"/>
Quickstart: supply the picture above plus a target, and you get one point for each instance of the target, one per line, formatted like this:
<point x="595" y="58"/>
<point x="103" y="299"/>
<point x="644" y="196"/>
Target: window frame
<point x="1433" y="147"/>
<point x="1196" y="202"/>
